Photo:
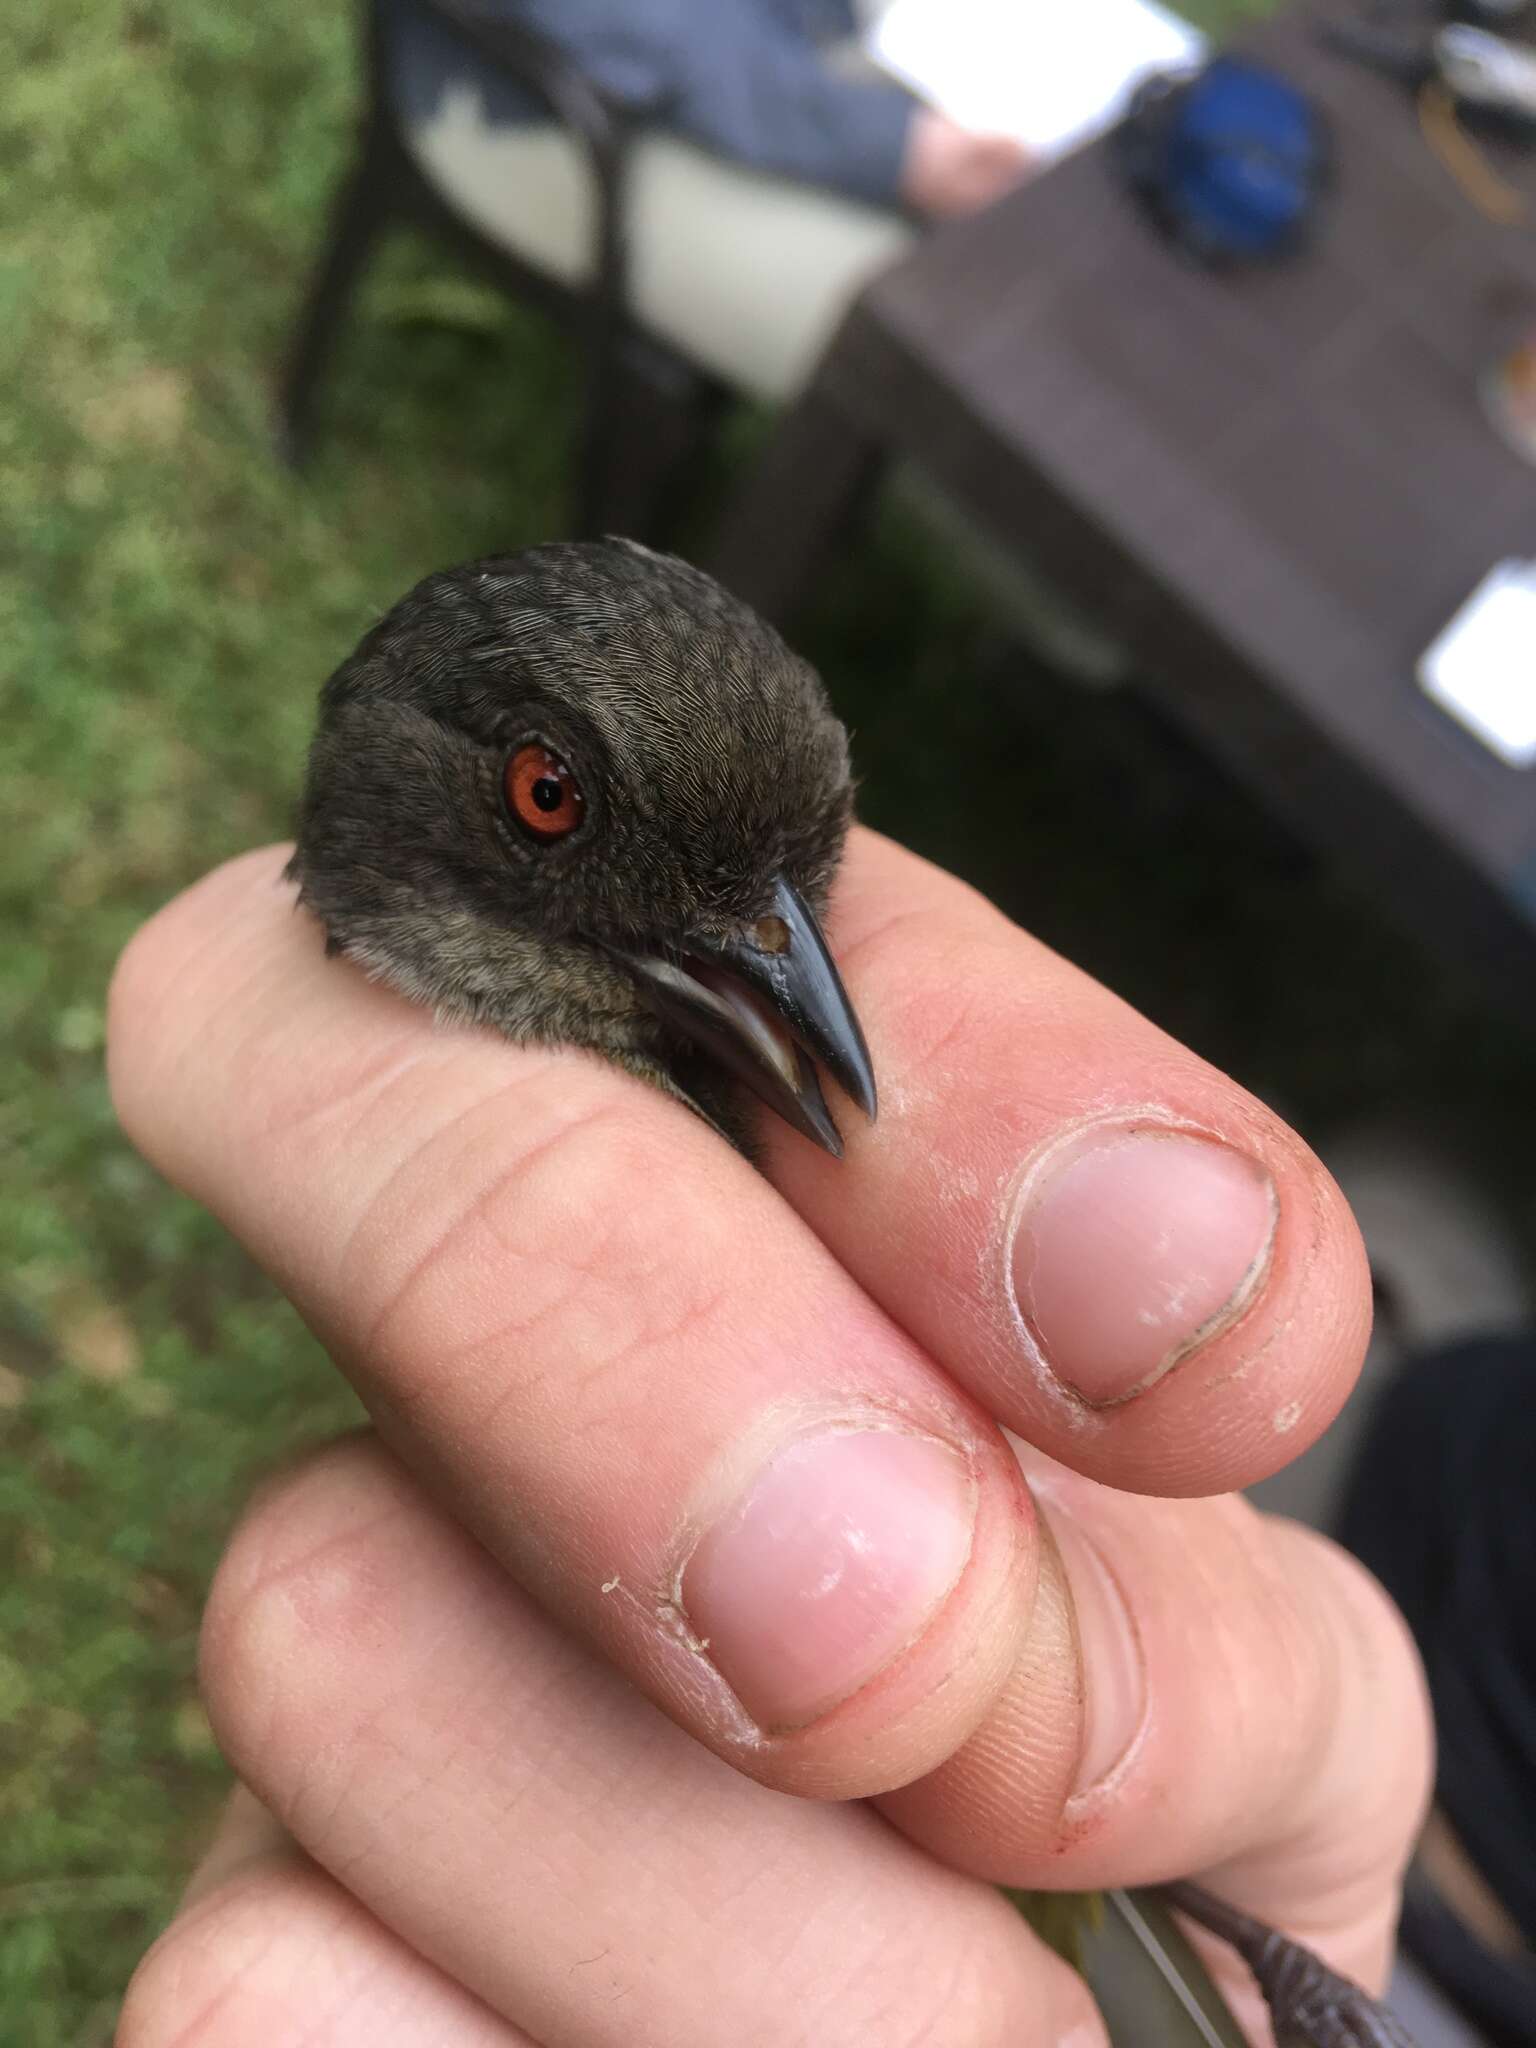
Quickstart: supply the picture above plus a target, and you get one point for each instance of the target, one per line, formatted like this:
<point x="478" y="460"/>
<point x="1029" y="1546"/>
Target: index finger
<point x="1128" y="1259"/>
<point x="628" y="1367"/>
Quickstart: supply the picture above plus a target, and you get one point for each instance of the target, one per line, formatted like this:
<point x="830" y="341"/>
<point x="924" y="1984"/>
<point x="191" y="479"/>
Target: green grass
<point x="169" y="603"/>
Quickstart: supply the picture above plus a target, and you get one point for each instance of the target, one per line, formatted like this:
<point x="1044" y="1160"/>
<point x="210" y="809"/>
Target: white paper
<point x="1051" y="73"/>
<point x="1482" y="669"/>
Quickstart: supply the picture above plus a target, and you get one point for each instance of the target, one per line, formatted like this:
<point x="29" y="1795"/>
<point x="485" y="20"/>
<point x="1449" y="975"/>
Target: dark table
<point x="1275" y="485"/>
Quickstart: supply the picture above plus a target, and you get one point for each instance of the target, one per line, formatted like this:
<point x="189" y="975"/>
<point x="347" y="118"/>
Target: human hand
<point x="652" y="1417"/>
<point x="949" y="170"/>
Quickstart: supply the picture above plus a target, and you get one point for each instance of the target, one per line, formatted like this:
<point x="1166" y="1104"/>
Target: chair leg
<point x="648" y="417"/>
<point x="358" y="212"/>
<point x="801" y="499"/>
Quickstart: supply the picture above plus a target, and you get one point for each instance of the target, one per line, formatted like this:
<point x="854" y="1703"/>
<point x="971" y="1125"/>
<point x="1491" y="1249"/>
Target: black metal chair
<point x="644" y="407"/>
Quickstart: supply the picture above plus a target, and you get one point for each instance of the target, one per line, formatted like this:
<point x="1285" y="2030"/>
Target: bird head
<point x="585" y="795"/>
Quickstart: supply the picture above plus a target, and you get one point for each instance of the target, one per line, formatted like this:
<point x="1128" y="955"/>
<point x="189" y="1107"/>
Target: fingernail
<point x="1114" y="1671"/>
<point x="1131" y="1247"/>
<point x="828" y="1567"/>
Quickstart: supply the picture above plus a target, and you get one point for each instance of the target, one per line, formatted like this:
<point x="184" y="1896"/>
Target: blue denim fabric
<point x="745" y="78"/>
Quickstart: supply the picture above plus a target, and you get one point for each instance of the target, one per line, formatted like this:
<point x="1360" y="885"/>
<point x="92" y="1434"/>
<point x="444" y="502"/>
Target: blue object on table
<point x="1231" y="163"/>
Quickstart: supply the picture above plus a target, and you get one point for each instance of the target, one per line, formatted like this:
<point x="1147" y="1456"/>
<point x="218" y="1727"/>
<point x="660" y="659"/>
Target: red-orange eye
<point x="542" y="793"/>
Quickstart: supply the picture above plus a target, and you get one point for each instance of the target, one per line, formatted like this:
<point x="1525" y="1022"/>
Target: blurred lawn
<point x="169" y="603"/>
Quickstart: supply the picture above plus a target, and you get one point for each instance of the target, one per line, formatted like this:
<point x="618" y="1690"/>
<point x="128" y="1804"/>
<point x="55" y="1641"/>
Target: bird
<point x="582" y="795"/>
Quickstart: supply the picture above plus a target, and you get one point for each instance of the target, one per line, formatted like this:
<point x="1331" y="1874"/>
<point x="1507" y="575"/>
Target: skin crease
<point x="582" y="1324"/>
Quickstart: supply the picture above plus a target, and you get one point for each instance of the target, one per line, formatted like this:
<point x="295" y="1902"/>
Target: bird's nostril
<point x="770" y="935"/>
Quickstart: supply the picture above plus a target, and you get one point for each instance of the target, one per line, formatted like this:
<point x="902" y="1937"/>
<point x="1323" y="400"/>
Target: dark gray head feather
<point x="709" y="759"/>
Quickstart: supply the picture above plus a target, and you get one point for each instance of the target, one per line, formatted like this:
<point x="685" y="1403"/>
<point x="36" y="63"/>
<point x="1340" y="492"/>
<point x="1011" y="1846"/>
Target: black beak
<point x="765" y="1003"/>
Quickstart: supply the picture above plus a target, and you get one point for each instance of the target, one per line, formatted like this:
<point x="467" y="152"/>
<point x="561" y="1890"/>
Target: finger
<point x="268" y="1949"/>
<point x="1124" y="1256"/>
<point x="637" y="1374"/>
<point x="1236" y="1698"/>
<point x="516" y="1813"/>
<point x="247" y="1836"/>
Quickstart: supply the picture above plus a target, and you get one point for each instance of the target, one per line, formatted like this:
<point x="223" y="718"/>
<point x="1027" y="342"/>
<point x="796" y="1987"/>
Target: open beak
<point x="767" y="1003"/>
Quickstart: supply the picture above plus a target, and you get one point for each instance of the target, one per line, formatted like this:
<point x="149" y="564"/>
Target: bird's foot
<point x="1311" y="2005"/>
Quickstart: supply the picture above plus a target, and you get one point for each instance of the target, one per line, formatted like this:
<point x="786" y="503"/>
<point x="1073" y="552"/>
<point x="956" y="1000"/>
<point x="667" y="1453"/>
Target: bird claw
<point x="1310" y="2004"/>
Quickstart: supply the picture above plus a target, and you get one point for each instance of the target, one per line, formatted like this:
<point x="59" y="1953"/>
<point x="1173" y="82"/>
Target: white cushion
<point x="745" y="275"/>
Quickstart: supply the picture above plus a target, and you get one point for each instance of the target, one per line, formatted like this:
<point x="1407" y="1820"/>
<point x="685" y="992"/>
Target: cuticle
<point x="1016" y="1205"/>
<point x="672" y="1608"/>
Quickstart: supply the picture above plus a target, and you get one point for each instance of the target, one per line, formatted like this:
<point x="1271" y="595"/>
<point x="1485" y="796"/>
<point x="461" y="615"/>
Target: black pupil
<point x="547" y="793"/>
